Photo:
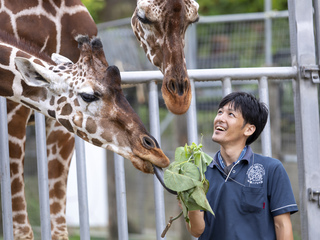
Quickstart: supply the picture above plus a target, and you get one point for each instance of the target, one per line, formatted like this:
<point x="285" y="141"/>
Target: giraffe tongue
<point x="159" y="174"/>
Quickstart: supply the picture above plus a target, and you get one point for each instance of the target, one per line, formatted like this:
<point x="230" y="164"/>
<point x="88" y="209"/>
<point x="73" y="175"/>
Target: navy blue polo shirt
<point x="246" y="200"/>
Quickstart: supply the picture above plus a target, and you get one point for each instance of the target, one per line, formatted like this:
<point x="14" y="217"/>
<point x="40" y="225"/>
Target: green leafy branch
<point x="186" y="176"/>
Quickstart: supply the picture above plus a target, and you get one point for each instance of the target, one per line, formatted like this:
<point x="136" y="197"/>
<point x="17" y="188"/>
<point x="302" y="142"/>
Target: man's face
<point x="228" y="126"/>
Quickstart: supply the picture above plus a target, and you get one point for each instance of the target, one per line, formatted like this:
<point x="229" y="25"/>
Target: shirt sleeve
<point x="280" y="191"/>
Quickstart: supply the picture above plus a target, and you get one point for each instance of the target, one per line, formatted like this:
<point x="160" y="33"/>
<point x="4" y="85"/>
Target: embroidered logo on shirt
<point x="255" y="174"/>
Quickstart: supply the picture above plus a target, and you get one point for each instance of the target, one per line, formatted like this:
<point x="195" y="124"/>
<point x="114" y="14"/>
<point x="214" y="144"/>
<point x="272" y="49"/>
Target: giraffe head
<point x="160" y="26"/>
<point x="87" y="99"/>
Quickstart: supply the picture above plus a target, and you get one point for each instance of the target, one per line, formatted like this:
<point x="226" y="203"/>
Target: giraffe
<point x="160" y="27"/>
<point x="52" y="25"/>
<point x="86" y="98"/>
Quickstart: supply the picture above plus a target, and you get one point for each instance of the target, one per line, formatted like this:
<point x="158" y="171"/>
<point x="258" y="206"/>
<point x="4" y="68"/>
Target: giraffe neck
<point x="51" y="25"/>
<point x="12" y="86"/>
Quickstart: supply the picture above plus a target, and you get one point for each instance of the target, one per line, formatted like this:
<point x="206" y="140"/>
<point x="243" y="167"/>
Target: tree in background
<point x="219" y="7"/>
<point x="108" y="10"/>
<point x="95" y="7"/>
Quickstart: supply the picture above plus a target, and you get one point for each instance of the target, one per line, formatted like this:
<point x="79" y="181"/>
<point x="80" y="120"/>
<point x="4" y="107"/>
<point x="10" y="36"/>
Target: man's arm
<point x="283" y="227"/>
<point x="197" y="223"/>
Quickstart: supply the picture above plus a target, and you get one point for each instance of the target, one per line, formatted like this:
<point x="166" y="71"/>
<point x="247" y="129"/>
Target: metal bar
<point x="316" y="6"/>
<point x="208" y="19"/>
<point x="5" y="173"/>
<point x="306" y="104"/>
<point x="121" y="197"/>
<point x="268" y="33"/>
<point x="266" y="134"/>
<point x="192" y="122"/>
<point x="155" y="132"/>
<point x="82" y="189"/>
<point x="226" y="86"/>
<point x="114" y="24"/>
<point x="43" y="182"/>
<point x="191" y="48"/>
<point x="135" y="77"/>
<point x="241" y="17"/>
<point x="191" y="52"/>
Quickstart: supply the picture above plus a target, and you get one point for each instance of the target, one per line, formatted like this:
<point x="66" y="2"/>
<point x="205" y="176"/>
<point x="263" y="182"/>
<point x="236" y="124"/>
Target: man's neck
<point x="231" y="154"/>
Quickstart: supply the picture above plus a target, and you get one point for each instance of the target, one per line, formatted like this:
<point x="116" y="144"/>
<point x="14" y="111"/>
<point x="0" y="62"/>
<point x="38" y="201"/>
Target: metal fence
<point x="303" y="70"/>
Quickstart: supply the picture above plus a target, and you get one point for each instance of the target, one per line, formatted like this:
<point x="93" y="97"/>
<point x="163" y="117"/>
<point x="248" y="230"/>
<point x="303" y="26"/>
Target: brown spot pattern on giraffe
<point x="66" y="110"/>
<point x="16" y="186"/>
<point x="47" y="27"/>
<point x="19" y="218"/>
<point x="14" y="168"/>
<point x="57" y="191"/>
<point x="91" y="126"/>
<point x="18" y="204"/>
<point x="6" y="22"/>
<point x="5" y="52"/>
<point x="15" y="8"/>
<point x="55" y="208"/>
<point x="14" y="126"/>
<point x="66" y="124"/>
<point x="17" y="154"/>
<point x="66" y="148"/>
<point x="55" y="169"/>
<point x="6" y="90"/>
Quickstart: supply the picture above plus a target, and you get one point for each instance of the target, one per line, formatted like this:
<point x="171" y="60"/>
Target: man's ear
<point x="249" y="130"/>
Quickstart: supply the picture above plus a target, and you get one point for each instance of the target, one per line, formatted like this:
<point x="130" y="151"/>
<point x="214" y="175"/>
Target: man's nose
<point x="220" y="118"/>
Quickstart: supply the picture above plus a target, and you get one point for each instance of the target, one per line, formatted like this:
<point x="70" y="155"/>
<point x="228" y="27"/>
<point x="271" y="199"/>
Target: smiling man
<point x="250" y="194"/>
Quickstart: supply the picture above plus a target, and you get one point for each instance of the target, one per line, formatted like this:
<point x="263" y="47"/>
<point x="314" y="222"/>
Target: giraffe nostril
<point x="148" y="142"/>
<point x="172" y="86"/>
<point x="186" y="85"/>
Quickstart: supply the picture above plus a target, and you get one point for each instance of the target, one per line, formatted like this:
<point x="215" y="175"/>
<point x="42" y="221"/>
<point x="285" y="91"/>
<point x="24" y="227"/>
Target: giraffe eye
<point x="88" y="97"/>
<point x="144" y="20"/>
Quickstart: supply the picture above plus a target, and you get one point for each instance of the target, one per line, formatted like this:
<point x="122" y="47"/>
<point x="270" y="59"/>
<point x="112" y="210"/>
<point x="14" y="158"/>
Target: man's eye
<point x="144" y="20"/>
<point x="88" y="97"/>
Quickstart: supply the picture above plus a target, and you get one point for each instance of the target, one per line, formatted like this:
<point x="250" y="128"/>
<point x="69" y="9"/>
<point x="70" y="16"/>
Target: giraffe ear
<point x="58" y="59"/>
<point x="34" y="74"/>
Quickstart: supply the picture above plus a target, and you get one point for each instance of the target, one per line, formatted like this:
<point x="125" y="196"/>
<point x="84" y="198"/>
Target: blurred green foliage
<point x="94" y="7"/>
<point x="218" y="7"/>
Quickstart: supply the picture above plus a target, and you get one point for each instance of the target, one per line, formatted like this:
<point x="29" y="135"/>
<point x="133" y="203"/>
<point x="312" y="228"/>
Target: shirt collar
<point x="245" y="155"/>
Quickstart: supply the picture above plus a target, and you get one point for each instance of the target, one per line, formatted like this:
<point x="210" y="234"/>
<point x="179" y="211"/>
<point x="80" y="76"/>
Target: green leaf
<point x="206" y="158"/>
<point x="199" y="196"/>
<point x="206" y="185"/>
<point x="178" y="182"/>
<point x="190" y="170"/>
<point x="180" y="155"/>
<point x="183" y="204"/>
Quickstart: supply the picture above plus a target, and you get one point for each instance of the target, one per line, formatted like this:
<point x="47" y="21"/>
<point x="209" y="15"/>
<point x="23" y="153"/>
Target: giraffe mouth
<point x="159" y="174"/>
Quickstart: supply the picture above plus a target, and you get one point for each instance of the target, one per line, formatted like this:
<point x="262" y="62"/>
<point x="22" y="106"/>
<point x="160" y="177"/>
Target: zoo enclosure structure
<point x="304" y="24"/>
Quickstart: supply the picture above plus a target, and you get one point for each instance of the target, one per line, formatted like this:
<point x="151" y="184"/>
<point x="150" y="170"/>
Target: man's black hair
<point x="253" y="111"/>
